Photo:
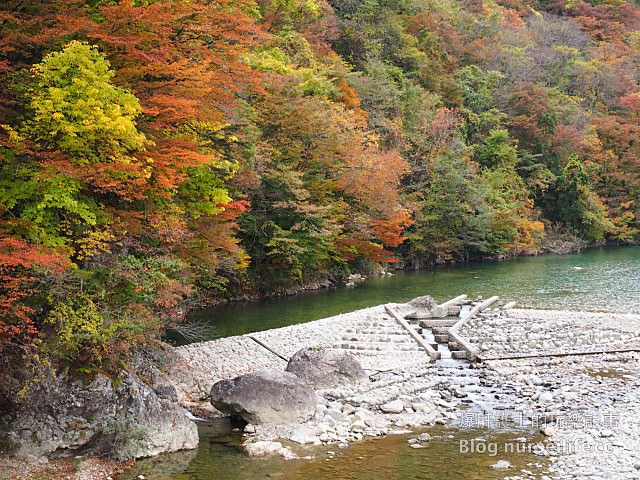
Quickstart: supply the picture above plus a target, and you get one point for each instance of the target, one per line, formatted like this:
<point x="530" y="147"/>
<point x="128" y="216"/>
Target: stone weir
<point x="400" y="337"/>
<point x="416" y="359"/>
<point x="383" y="338"/>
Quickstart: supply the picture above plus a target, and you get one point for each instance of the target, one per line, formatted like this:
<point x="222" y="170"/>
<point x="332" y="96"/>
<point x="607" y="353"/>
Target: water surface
<point x="606" y="279"/>
<point x="388" y="458"/>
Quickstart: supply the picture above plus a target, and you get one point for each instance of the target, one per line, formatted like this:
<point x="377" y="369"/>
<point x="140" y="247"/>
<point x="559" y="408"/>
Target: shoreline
<point x="326" y="282"/>
<point x="538" y="388"/>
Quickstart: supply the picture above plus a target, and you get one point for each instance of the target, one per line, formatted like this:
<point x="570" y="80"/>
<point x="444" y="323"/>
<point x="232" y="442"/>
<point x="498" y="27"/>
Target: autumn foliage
<point x="156" y="154"/>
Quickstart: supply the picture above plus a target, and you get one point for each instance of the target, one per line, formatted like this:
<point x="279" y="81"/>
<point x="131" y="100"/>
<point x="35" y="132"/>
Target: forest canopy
<point x="156" y="155"/>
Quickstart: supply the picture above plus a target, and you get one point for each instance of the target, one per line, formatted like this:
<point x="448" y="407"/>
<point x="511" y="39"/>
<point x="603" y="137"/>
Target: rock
<point x="265" y="448"/>
<point x="348" y="409"/>
<point x="265" y="397"/>
<point x="424" y="437"/>
<point x="607" y="433"/>
<point x="425" y="301"/>
<point x="395" y="406"/>
<point x="549" y="430"/>
<point x="123" y="420"/>
<point x="545" y="397"/>
<point x="358" y="426"/>
<point x="502" y="465"/>
<point x="303" y="434"/>
<point x="336" y="415"/>
<point x="535" y="380"/>
<point x="540" y="450"/>
<point x="323" y="368"/>
<point x="425" y="307"/>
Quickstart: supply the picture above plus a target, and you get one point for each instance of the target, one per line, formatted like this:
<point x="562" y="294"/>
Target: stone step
<point x="438" y="323"/>
<point x="459" y="354"/>
<point x="442" y="338"/>
<point x="440" y="330"/>
<point x="454" y="346"/>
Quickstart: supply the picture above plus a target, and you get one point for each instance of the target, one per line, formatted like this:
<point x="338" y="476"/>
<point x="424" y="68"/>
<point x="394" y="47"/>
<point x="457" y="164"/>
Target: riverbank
<point x="521" y="394"/>
<point x="555" y="243"/>
<point x="78" y="468"/>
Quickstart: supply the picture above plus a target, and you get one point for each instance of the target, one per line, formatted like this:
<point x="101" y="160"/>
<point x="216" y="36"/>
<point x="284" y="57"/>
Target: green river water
<point x="607" y="279"/>
<point x="592" y="280"/>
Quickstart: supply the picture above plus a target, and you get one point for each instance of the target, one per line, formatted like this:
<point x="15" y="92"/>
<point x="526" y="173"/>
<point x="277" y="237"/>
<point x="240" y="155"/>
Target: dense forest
<point x="157" y="153"/>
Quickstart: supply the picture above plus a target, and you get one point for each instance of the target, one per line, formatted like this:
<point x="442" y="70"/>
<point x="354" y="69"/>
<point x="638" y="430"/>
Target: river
<point x="604" y="279"/>
<point x="607" y="279"/>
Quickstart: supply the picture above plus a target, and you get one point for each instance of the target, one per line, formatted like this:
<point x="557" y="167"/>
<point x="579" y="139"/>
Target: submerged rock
<point x="265" y="397"/>
<point x="502" y="465"/>
<point x="323" y="368"/>
<point x="264" y="448"/>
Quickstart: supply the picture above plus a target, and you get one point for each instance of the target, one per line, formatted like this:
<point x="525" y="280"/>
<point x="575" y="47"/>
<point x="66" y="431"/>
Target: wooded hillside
<point x="157" y="152"/>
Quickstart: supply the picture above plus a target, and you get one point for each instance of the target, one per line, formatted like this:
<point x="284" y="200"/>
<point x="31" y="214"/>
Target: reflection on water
<point x="389" y="458"/>
<point x="596" y="279"/>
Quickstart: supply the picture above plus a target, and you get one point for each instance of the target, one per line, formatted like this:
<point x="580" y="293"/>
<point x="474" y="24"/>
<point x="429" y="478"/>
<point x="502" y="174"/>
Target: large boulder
<point x="322" y="368"/>
<point x="123" y="418"/>
<point x="265" y="397"/>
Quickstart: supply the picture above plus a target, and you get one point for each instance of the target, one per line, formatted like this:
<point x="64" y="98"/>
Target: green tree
<point x="76" y="108"/>
<point x="83" y="133"/>
<point x="577" y="205"/>
<point x="498" y="149"/>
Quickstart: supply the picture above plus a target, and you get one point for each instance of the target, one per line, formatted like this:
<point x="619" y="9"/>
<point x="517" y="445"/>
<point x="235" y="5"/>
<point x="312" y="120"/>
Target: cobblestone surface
<point x="550" y="332"/>
<point x="588" y="407"/>
<point x="374" y="337"/>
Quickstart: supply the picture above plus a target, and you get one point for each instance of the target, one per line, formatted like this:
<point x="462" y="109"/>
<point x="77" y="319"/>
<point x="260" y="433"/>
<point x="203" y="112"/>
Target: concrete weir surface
<point x="373" y="335"/>
<point x="392" y="337"/>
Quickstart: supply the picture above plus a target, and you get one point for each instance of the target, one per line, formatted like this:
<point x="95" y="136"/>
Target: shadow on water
<point x="448" y="455"/>
<point x="607" y="279"/>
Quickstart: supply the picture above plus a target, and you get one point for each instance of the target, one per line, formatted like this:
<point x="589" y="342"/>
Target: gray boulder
<point x="123" y="419"/>
<point x="425" y="307"/>
<point x="425" y="301"/>
<point x="322" y="368"/>
<point x="265" y="397"/>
